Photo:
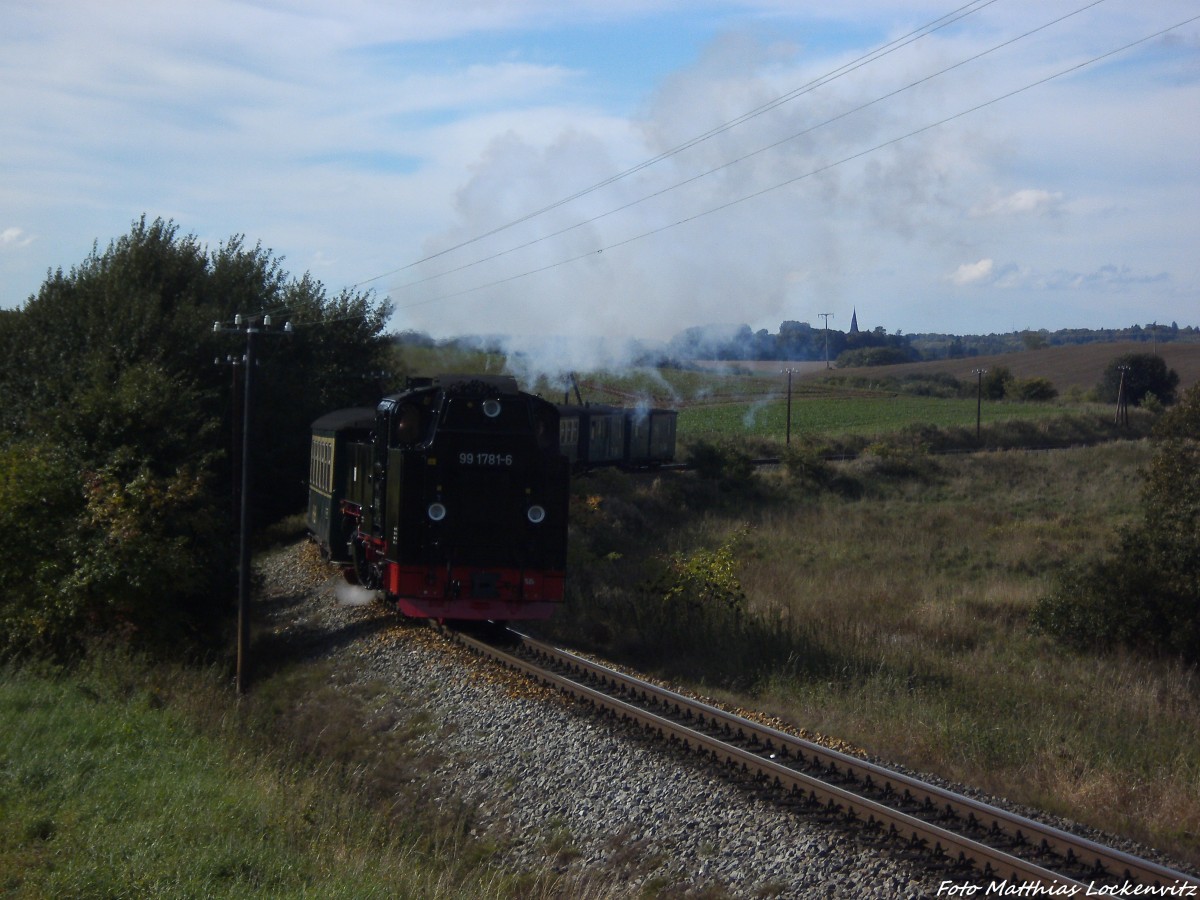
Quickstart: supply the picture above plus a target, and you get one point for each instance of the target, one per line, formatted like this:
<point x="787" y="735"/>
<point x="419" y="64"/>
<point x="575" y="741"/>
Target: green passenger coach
<point x="329" y="460"/>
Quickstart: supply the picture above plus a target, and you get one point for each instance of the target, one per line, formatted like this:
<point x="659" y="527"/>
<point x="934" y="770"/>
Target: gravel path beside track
<point x="550" y="784"/>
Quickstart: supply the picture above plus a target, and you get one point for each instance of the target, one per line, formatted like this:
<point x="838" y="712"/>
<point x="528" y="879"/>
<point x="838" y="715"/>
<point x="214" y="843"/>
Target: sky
<point x="628" y="168"/>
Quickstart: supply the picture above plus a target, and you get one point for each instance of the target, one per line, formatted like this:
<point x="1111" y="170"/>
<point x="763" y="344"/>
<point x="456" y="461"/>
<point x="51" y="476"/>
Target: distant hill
<point x="1078" y="365"/>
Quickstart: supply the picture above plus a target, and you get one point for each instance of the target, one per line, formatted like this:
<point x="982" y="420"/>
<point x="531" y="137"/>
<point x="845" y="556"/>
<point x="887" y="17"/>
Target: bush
<point x="118" y="502"/>
<point x="1031" y="390"/>
<point x="1145" y="373"/>
<point x="1146" y="593"/>
<point x="807" y="467"/>
<point x="900" y="458"/>
<point x="727" y="464"/>
<point x="994" y="384"/>
<point x="872" y="356"/>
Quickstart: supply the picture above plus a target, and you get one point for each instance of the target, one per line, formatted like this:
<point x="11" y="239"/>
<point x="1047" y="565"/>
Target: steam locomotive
<point x="449" y="497"/>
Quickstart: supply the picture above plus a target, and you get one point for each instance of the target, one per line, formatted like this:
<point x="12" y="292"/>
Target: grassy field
<point x="129" y="778"/>
<point x="846" y="413"/>
<point x="888" y="604"/>
<point x="1076" y="366"/>
<point x="734" y="400"/>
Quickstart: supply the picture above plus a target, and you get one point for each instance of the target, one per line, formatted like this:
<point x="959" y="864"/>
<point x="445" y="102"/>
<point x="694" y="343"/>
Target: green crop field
<point x="842" y="414"/>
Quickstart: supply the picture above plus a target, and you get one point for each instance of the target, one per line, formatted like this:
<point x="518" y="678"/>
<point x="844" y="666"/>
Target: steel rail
<point x="707" y="729"/>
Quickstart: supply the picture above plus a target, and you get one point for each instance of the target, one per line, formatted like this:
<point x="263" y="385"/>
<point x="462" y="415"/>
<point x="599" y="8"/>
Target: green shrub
<point x="727" y="464"/>
<point x="1146" y="592"/>
<point x="899" y="458"/>
<point x="807" y="467"/>
<point x="1144" y="373"/>
<point x="1037" y="390"/>
<point x="704" y="580"/>
<point x="995" y="382"/>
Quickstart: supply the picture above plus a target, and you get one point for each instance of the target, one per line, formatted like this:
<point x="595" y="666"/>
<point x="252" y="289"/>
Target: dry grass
<point x="897" y="621"/>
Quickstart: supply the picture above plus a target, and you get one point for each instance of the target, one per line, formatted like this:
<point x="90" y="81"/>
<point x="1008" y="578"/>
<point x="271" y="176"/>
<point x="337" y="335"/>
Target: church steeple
<point x="854" y="322"/>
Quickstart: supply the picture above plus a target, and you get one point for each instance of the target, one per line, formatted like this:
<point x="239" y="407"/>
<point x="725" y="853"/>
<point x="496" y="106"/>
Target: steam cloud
<point x="785" y="255"/>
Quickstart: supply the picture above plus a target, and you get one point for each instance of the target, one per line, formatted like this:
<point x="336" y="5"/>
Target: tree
<point x="108" y="380"/>
<point x="872" y="356"/>
<point x="1031" y="389"/>
<point x="1145" y="373"/>
<point x="995" y="382"/>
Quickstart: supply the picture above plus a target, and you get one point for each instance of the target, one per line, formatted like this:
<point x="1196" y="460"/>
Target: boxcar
<point x="649" y="437"/>
<point x="592" y="435"/>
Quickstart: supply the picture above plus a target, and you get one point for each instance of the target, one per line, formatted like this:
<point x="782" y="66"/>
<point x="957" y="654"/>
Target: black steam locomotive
<point x="449" y="497"/>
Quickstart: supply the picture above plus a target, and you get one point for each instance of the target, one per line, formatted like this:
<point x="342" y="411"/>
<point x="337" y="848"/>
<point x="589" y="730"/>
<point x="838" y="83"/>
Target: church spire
<point x="854" y="322"/>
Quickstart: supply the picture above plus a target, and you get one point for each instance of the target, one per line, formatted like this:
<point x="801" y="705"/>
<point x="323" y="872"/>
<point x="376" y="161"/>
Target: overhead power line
<point x="742" y="199"/>
<point x="872" y="56"/>
<point x="809" y="130"/>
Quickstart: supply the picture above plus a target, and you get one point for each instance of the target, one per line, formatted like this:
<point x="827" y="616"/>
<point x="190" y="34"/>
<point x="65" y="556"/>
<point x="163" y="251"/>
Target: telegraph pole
<point x="978" y="373"/>
<point x="251" y="326"/>
<point x="1122" y="399"/>
<point x="235" y="364"/>
<point x="789" y="406"/>
<point x="826" y="317"/>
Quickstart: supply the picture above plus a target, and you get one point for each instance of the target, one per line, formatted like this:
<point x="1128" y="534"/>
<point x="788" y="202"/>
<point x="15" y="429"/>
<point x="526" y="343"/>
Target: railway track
<point x="972" y="841"/>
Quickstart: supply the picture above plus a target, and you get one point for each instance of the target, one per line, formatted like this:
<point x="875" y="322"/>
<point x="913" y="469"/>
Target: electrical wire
<point x="872" y="56"/>
<point x="693" y="178"/>
<point x="809" y="174"/>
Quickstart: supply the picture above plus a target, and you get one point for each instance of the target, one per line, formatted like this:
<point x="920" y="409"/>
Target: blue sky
<point x="357" y="139"/>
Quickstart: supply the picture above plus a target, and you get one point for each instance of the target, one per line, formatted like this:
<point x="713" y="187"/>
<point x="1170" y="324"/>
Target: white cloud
<point x="972" y="273"/>
<point x="14" y="237"/>
<point x="1027" y="201"/>
<point x="360" y="137"/>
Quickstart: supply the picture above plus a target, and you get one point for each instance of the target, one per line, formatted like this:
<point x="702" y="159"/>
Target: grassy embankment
<point x="886" y="601"/>
<point x="127" y="778"/>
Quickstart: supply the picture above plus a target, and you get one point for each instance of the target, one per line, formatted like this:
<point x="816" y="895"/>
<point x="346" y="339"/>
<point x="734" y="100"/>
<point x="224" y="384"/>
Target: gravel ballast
<point x="553" y="785"/>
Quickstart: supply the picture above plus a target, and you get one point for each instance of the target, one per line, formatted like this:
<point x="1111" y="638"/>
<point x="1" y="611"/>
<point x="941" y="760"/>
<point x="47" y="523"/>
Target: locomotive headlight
<point x="491" y="408"/>
<point x="436" y="511"/>
<point x="536" y="514"/>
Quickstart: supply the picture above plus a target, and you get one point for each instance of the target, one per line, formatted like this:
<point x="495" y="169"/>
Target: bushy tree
<point x="873" y="356"/>
<point x="1146" y="592"/>
<point x="1031" y="390"/>
<point x="995" y="382"/>
<point x="1145" y="373"/>
<point x="108" y="390"/>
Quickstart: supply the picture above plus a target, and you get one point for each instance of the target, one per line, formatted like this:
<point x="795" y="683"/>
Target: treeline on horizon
<point x="802" y="342"/>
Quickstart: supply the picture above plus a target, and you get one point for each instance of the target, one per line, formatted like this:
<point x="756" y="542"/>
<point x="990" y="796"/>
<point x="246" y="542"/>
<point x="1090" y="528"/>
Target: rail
<point x="961" y="831"/>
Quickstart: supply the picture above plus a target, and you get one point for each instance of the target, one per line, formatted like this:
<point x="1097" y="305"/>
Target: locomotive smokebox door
<point x="485" y="584"/>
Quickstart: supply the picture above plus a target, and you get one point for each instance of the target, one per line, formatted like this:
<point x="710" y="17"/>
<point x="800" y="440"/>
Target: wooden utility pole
<point x="978" y="373"/>
<point x="826" y="317"/>
<point x="251" y="326"/>
<point x="1122" y="399"/>
<point x="789" y="407"/>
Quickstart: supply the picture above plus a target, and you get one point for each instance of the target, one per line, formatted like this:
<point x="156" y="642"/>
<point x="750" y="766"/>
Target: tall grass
<point x="895" y="616"/>
<point x="123" y="778"/>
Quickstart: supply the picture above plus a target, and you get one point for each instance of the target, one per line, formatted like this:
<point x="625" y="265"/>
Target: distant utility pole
<point x="978" y="373"/>
<point x="789" y="407"/>
<point x="251" y="326"/>
<point x="826" y="317"/>
<point x="1122" y="399"/>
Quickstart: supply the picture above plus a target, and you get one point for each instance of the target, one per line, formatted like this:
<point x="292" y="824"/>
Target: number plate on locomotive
<point x="500" y="460"/>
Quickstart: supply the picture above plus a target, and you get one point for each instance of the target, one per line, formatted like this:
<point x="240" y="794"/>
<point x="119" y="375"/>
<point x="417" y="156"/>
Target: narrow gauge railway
<point x="954" y="831"/>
